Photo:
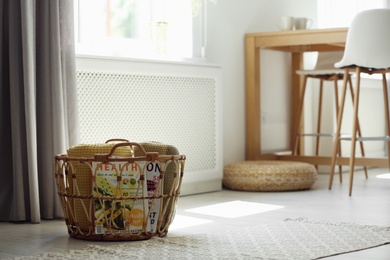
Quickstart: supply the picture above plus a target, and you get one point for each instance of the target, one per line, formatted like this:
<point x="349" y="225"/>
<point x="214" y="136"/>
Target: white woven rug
<point x="291" y="239"/>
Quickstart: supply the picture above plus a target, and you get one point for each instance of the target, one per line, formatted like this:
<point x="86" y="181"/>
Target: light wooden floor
<point x="369" y="205"/>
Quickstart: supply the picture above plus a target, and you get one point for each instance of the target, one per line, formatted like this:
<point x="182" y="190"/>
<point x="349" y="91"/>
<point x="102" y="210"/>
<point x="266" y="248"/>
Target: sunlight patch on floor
<point x="234" y="209"/>
<point x="184" y="221"/>
<point x="383" y="176"/>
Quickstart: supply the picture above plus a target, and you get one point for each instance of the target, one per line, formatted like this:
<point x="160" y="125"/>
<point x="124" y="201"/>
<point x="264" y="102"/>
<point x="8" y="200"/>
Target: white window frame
<point x="339" y="13"/>
<point x="130" y="48"/>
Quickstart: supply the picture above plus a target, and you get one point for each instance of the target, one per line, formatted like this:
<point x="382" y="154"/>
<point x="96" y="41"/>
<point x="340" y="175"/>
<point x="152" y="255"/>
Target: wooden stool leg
<point x="387" y="119"/>
<point x="336" y="140"/>
<point x="319" y="118"/>
<point x="354" y="130"/>
<point x="336" y="97"/>
<point x="359" y="132"/>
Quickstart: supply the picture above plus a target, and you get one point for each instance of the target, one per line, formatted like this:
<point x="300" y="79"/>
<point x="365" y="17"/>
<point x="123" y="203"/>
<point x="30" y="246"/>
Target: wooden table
<point x="294" y="42"/>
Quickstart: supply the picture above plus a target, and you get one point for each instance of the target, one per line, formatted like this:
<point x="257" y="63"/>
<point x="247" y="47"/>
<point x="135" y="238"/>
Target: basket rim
<point x="108" y="157"/>
<point x="151" y="156"/>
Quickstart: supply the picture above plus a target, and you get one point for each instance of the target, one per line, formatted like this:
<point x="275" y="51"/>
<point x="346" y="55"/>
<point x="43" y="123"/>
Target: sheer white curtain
<point x="38" y="104"/>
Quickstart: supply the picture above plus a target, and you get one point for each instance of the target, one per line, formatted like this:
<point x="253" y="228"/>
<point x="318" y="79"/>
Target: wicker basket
<point x="119" y="190"/>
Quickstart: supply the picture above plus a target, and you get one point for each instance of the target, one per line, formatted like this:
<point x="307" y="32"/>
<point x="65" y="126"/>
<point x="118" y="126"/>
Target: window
<point x="134" y="28"/>
<point x="339" y="13"/>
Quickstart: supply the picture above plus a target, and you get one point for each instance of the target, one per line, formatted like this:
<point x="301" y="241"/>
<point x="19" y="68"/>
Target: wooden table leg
<point x="296" y="84"/>
<point x="252" y="95"/>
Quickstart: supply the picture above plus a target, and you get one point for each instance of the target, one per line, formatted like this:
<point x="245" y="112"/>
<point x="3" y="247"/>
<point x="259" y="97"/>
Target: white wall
<point x="228" y="21"/>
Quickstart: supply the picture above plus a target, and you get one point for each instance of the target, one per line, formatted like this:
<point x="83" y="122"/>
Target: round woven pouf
<point x="269" y="176"/>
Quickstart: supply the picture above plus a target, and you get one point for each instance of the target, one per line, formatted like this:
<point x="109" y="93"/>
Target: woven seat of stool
<point x="269" y="176"/>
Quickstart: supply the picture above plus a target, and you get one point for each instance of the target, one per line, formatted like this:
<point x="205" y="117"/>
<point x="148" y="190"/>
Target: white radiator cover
<point x="173" y="103"/>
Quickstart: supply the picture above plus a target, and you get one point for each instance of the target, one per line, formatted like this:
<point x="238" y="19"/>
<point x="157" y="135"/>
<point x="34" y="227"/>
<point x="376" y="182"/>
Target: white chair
<point x="367" y="50"/>
<point x="324" y="70"/>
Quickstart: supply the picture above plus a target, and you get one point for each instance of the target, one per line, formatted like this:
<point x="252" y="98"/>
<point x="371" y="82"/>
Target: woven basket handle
<point x="117" y="140"/>
<point x="150" y="156"/>
<point x="131" y="144"/>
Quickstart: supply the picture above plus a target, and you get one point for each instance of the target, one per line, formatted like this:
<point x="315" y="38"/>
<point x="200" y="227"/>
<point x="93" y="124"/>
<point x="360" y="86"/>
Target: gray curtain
<point x="38" y="104"/>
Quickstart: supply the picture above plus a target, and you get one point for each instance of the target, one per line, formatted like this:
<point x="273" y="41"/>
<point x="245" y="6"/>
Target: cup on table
<point x="302" y="23"/>
<point x="286" y="23"/>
